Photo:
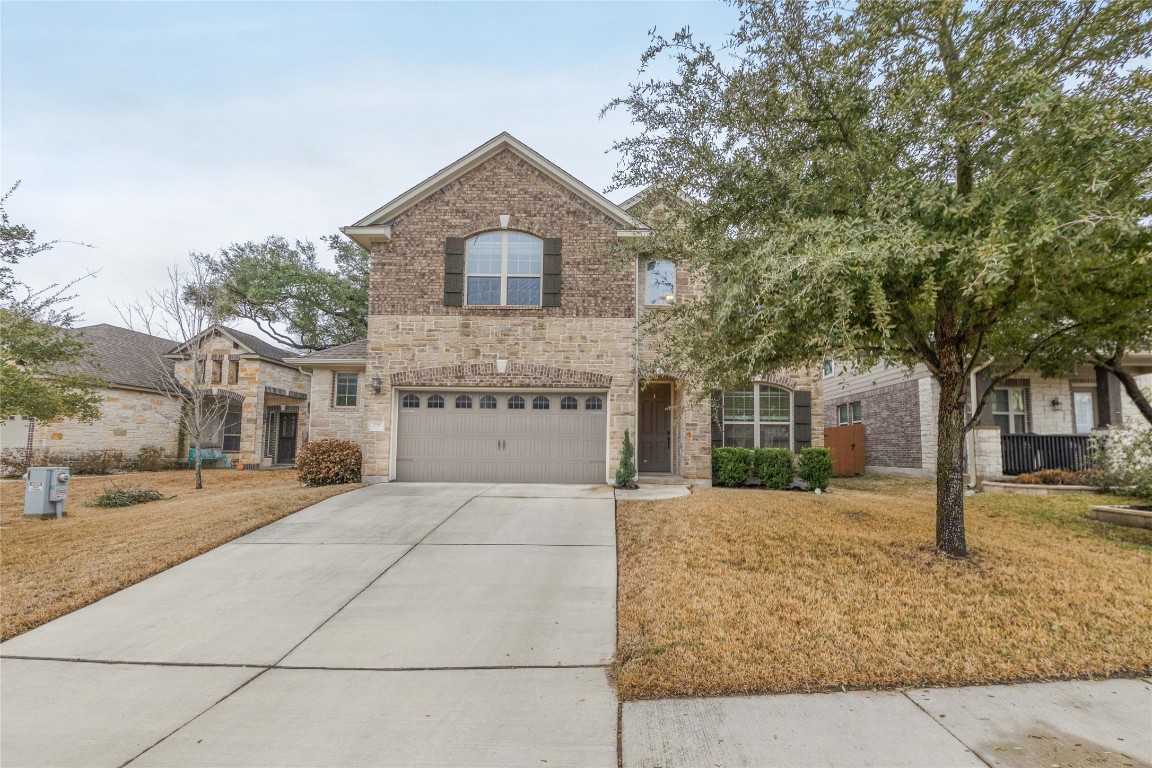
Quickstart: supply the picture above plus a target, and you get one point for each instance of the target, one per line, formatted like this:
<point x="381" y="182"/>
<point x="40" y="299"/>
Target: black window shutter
<point x="802" y="418"/>
<point x="454" y="272"/>
<point x="983" y="380"/>
<point x="550" y="290"/>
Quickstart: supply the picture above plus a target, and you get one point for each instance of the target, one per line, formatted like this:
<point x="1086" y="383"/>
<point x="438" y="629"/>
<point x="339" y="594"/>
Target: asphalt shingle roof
<point x="353" y="350"/>
<point x="125" y="357"/>
<point x="259" y="346"/>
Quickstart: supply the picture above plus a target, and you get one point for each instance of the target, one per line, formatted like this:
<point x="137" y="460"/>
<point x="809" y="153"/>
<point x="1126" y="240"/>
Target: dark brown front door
<point x="286" y="439"/>
<point x="655" y="439"/>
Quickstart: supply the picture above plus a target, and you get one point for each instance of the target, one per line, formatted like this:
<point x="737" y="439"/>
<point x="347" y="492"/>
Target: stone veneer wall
<point x="129" y="420"/>
<point x="891" y="417"/>
<point x="409" y="344"/>
<point x="327" y="420"/>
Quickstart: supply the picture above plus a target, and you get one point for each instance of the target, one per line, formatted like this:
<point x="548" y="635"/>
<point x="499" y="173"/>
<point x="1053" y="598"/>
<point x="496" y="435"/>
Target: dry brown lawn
<point x="49" y="568"/>
<point x="747" y="591"/>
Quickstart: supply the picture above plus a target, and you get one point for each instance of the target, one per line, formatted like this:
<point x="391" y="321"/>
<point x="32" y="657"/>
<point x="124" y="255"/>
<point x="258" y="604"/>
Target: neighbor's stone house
<point x="503" y="340"/>
<point x="263" y="396"/>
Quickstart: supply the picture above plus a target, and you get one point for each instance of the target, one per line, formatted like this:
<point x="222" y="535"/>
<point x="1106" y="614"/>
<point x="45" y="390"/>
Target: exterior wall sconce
<point x="1055" y="403"/>
<point x="504" y="219"/>
<point x="377" y="385"/>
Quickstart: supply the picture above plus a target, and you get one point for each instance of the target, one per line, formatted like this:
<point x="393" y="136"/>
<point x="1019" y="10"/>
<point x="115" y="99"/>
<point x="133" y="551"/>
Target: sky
<point x="151" y="129"/>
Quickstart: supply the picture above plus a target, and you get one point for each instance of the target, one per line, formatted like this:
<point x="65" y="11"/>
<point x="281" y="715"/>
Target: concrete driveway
<point x="398" y="625"/>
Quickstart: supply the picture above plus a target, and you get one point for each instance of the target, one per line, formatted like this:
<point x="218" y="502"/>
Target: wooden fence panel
<point x="847" y="444"/>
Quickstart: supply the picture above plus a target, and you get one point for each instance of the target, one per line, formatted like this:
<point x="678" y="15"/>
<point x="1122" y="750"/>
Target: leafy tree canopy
<point x="38" y="378"/>
<point x="908" y="181"/>
<point x="281" y="287"/>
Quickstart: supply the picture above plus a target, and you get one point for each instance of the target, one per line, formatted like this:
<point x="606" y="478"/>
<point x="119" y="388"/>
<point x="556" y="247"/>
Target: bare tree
<point x="185" y="378"/>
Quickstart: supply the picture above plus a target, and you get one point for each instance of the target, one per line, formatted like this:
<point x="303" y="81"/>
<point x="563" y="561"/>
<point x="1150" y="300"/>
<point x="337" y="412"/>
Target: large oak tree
<point x="900" y="182"/>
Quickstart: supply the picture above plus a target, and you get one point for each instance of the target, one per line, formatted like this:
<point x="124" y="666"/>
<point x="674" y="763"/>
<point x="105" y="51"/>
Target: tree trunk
<point x="199" y="463"/>
<point x="950" y="537"/>
<point x="1115" y="367"/>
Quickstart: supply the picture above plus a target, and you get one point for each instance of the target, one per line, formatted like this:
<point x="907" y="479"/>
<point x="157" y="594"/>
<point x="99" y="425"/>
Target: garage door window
<point x="410" y="401"/>
<point x="594" y="404"/>
<point x="463" y="401"/>
<point x="487" y="403"/>
<point x="540" y="403"/>
<point x="435" y="401"/>
<point x="515" y="403"/>
<point x="569" y="403"/>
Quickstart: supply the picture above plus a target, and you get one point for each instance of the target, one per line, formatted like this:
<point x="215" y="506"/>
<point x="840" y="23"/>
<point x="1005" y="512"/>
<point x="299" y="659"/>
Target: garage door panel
<point x="502" y="444"/>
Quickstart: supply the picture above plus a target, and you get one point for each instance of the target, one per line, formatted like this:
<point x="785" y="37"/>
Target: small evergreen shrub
<point x="329" y="462"/>
<point x="626" y="472"/>
<point x="815" y="467"/>
<point x="126" y="497"/>
<point x="731" y="466"/>
<point x="775" y="467"/>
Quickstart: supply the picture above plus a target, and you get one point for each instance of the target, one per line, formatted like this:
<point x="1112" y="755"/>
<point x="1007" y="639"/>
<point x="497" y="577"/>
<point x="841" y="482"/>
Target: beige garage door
<point x="504" y="437"/>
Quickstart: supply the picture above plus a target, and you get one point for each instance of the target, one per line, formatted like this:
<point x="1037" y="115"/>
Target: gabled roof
<point x="354" y="352"/>
<point x="251" y="344"/>
<point x="378" y="222"/>
<point x="119" y="356"/>
<point x="643" y="194"/>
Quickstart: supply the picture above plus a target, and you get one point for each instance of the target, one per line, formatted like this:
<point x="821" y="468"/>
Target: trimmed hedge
<point x="815" y="467"/>
<point x="731" y="466"/>
<point x="775" y="467"/>
<point x="329" y="462"/>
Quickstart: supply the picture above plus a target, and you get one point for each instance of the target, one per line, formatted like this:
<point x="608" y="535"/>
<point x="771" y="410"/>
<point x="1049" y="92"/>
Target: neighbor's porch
<point x="1031" y="423"/>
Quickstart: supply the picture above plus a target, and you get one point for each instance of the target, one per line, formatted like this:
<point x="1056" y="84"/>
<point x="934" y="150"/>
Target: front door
<point x="655" y="438"/>
<point x="286" y="438"/>
<point x="1084" y="410"/>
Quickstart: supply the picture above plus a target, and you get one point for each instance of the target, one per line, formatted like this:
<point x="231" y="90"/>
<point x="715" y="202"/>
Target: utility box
<point x="45" y="490"/>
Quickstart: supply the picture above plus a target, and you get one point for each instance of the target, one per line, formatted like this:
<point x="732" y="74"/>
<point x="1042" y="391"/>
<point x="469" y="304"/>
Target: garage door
<point x="504" y="437"/>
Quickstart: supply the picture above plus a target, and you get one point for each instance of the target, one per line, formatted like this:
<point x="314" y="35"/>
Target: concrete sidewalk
<point x="1063" y="724"/>
<point x="397" y="625"/>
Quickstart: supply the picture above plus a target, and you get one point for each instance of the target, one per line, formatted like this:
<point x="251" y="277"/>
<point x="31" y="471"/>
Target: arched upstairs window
<point x="503" y="269"/>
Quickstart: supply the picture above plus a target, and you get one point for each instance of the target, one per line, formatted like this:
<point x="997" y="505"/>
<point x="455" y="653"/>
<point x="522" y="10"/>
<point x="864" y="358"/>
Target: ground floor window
<point x="849" y="413"/>
<point x="758" y="417"/>
<point x="1010" y="410"/>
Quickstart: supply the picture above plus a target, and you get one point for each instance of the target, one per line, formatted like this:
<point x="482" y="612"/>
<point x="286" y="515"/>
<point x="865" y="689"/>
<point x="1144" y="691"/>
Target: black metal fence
<point x="1031" y="453"/>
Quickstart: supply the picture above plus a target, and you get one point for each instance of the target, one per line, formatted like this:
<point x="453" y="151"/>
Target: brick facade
<point x="891" y="417"/>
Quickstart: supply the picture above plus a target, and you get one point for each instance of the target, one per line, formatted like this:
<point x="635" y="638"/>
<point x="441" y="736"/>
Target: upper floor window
<point x="346" y="386"/>
<point x="234" y="372"/>
<point x="829" y="368"/>
<point x="661" y="284"/>
<point x="504" y="269"/>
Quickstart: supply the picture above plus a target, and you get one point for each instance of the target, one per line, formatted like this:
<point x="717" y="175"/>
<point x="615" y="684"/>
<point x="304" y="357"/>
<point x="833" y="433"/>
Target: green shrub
<point x="126" y="497"/>
<point x="1123" y="462"/>
<point x="329" y="462"/>
<point x="13" y="462"/>
<point x="815" y="467"/>
<point x="626" y="472"/>
<point x="775" y="467"/>
<point x="731" y="466"/>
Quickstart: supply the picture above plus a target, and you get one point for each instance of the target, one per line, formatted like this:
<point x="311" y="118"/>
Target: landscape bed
<point x="732" y="591"/>
<point x="49" y="568"/>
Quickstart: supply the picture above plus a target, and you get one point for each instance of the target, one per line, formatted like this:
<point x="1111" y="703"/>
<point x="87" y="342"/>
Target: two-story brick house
<point x="503" y="341"/>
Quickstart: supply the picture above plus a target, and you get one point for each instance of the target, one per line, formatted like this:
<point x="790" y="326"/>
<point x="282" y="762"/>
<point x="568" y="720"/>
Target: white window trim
<point x="336" y="389"/>
<point x="756" y="422"/>
<point x="503" y="273"/>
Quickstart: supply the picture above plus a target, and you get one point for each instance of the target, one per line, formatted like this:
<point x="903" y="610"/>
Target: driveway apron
<point x="412" y="624"/>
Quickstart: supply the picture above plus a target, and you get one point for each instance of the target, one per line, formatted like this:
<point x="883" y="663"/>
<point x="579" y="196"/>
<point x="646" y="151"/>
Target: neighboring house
<point x="135" y="412"/>
<point x="503" y="345"/>
<point x="266" y="394"/>
<point x="1028" y="423"/>
<point x="266" y="418"/>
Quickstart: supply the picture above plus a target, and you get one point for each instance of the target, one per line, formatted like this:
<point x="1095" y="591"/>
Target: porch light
<point x="377" y="384"/>
<point x="1055" y="403"/>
